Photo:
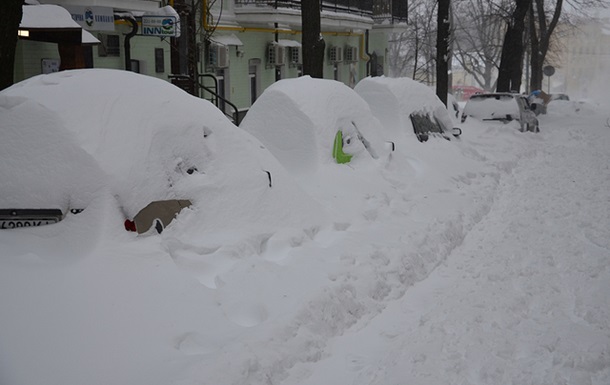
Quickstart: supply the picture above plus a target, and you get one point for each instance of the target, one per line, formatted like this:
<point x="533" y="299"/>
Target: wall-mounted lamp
<point x="23" y="33"/>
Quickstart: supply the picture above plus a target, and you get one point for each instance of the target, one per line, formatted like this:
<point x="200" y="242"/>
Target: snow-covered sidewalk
<point x="524" y="300"/>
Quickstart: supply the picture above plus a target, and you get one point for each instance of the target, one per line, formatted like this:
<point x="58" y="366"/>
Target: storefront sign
<point x="159" y="26"/>
<point x="93" y="18"/>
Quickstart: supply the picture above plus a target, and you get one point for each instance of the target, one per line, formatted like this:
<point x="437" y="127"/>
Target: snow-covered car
<point x="508" y="108"/>
<point x="404" y="105"/>
<point x="307" y="123"/>
<point x="45" y="174"/>
<point x="154" y="147"/>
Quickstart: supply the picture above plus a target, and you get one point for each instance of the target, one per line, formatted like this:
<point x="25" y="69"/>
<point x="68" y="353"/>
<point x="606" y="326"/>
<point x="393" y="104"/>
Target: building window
<point x="159" y="60"/>
<point x="110" y="45"/>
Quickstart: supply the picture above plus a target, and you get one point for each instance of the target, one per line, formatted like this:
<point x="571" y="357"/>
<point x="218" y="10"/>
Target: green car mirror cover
<point x="338" y="153"/>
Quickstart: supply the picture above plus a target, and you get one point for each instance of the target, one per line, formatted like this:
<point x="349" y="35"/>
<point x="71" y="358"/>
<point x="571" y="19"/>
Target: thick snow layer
<point x="147" y="134"/>
<point x="489" y="107"/>
<point x="47" y="16"/>
<point x="473" y="261"/>
<point x="393" y="100"/>
<point x="297" y="120"/>
<point x="42" y="165"/>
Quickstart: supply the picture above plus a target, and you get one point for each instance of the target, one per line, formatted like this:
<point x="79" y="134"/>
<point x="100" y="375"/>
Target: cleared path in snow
<point x="524" y="300"/>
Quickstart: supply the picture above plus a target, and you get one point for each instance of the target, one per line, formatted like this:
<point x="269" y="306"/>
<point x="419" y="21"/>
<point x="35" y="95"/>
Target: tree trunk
<point x="511" y="62"/>
<point x="10" y="16"/>
<point x="442" y="50"/>
<point x="313" y="44"/>
<point x="535" y="75"/>
<point x="540" y="37"/>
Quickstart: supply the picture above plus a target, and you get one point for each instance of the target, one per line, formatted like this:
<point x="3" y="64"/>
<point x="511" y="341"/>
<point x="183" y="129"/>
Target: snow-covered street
<point x="524" y="300"/>
<point x="473" y="261"/>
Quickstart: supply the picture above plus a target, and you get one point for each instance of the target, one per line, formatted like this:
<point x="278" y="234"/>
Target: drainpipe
<point x="368" y="54"/>
<point x="134" y="30"/>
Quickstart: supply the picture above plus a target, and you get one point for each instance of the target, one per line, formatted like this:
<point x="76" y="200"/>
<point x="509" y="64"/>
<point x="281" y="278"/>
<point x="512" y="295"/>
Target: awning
<point x="288" y="43"/>
<point x="89" y="39"/>
<point x="226" y="40"/>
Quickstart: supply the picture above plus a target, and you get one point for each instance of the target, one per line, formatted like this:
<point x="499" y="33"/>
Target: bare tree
<point x="479" y="28"/>
<point x="11" y="13"/>
<point x="412" y="53"/>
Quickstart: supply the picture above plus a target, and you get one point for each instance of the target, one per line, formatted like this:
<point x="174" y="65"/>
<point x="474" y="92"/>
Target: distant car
<point x="508" y="108"/>
<point x="559" y="97"/>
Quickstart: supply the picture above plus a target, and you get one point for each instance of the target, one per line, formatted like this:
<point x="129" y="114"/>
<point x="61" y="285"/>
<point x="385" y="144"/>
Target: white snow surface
<point x="483" y="260"/>
<point x="297" y="120"/>
<point x="393" y="100"/>
<point x="45" y="16"/>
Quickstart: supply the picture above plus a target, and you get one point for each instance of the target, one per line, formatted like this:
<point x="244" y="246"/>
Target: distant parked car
<point x="508" y="108"/>
<point x="559" y="97"/>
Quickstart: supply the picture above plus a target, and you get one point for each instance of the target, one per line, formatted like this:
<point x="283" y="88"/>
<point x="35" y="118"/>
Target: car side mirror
<point x="456" y="131"/>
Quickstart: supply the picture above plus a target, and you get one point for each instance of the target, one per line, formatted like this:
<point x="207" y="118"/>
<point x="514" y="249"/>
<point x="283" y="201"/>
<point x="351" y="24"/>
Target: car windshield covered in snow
<point x="492" y="107"/>
<point x="503" y="107"/>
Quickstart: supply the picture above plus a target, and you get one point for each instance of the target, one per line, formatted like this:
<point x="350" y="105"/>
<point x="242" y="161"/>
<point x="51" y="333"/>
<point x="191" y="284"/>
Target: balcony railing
<point x="390" y="11"/>
<point x="393" y="11"/>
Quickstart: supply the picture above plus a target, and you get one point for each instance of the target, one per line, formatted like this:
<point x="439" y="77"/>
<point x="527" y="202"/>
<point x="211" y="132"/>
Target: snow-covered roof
<point x="47" y="16"/>
<point x="226" y="40"/>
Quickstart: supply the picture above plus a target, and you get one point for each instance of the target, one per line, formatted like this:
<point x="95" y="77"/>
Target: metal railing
<point x="394" y="11"/>
<point x="356" y="7"/>
<point x="184" y="81"/>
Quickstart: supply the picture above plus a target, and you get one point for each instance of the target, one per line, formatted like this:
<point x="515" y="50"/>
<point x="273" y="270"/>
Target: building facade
<point x="227" y="51"/>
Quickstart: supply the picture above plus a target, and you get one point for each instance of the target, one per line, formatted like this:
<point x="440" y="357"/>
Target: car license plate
<point x="19" y="223"/>
<point x="20" y="218"/>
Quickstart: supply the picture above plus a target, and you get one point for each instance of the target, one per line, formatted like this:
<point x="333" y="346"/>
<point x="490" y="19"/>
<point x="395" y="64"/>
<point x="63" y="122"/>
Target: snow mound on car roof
<point x="393" y="100"/>
<point x="157" y="142"/>
<point x="43" y="167"/>
<point x="297" y="120"/>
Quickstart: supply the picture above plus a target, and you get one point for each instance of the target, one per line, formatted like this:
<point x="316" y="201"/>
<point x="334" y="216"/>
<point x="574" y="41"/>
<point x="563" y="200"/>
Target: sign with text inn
<point x="164" y="26"/>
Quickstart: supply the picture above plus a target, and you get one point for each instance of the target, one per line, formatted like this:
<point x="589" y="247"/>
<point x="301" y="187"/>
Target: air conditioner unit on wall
<point x="351" y="54"/>
<point x="336" y="54"/>
<point x="276" y="55"/>
<point x="219" y="56"/>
